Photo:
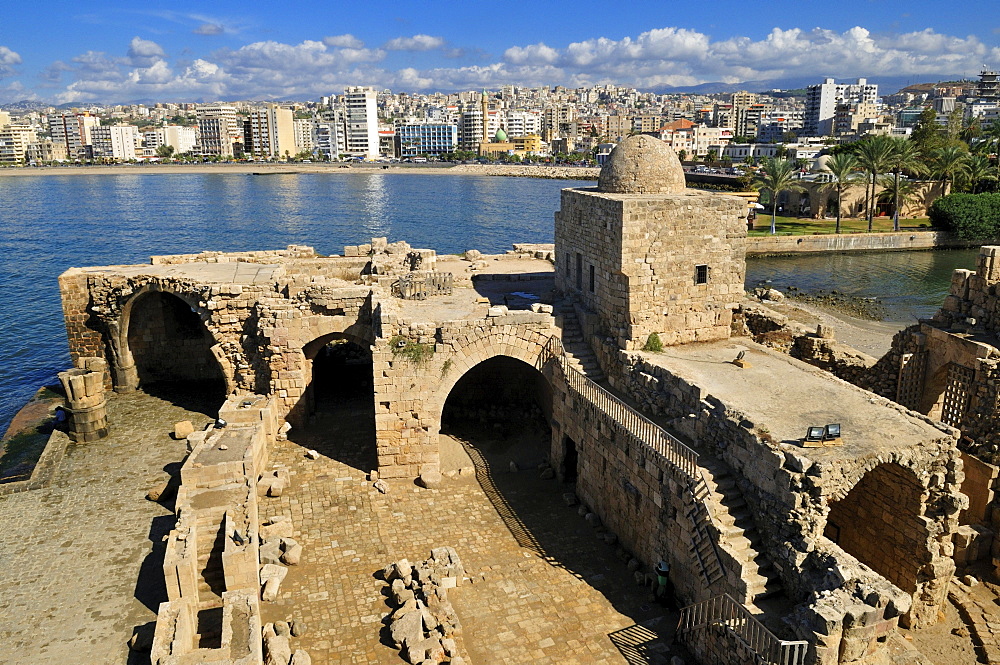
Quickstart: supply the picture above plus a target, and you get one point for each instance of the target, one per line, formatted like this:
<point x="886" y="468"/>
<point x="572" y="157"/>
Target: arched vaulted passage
<point x="880" y="522"/>
<point x="172" y="351"/>
<point x="336" y="413"/>
<point x="502" y="406"/>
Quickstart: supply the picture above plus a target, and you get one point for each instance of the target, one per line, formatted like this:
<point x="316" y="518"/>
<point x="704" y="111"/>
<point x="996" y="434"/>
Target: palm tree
<point x="775" y="176"/>
<point x="873" y="156"/>
<point x="980" y="168"/>
<point x="905" y="157"/>
<point x="948" y="163"/>
<point x="843" y="167"/>
<point x="897" y="192"/>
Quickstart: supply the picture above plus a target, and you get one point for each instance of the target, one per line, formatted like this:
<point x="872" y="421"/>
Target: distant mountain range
<point x="887" y="86"/>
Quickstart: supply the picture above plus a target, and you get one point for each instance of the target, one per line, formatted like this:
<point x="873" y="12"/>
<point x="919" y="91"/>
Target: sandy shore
<point x="551" y="172"/>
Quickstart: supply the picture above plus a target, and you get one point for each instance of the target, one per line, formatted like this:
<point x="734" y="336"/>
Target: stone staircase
<point x="211" y="542"/>
<point x="578" y="352"/>
<point x="739" y="535"/>
<point x="211" y="576"/>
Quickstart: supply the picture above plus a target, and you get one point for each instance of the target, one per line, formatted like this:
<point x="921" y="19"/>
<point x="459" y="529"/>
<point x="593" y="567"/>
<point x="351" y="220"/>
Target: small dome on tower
<point x="501" y="136"/>
<point x="642" y="164"/>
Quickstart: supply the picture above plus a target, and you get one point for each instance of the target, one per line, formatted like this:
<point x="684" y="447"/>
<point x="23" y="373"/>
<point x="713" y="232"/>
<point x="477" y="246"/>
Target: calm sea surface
<point x="50" y="223"/>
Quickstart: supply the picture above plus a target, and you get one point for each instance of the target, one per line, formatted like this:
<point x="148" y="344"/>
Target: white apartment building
<point x="822" y="100"/>
<point x="218" y="128"/>
<point x="303" y="129"/>
<point x="362" y="122"/>
<point x="523" y="123"/>
<point x="182" y="139"/>
<point x="14" y="142"/>
<point x="115" y="142"/>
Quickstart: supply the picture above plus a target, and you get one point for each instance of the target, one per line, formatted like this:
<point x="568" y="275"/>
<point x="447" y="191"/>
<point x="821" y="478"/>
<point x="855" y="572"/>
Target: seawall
<point x="855" y="242"/>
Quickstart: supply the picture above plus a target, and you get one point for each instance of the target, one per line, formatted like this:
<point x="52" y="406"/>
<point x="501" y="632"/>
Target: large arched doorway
<point x="501" y="407"/>
<point x="880" y="522"/>
<point x="336" y="415"/>
<point x="172" y="351"/>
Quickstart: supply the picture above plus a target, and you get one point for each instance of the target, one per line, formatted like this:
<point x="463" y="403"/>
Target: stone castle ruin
<point x="693" y="456"/>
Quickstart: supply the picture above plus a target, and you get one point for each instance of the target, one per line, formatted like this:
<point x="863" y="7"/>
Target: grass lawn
<point x="796" y="226"/>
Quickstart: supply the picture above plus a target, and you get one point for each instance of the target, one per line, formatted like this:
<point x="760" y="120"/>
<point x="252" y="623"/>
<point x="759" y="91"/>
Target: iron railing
<point x="661" y="444"/>
<point x="731" y="616"/>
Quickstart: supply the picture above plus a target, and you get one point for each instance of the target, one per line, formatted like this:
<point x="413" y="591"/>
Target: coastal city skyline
<point x="119" y="54"/>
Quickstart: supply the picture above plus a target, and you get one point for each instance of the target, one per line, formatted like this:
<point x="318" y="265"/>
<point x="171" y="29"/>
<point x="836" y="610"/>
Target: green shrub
<point x="968" y="216"/>
<point x="653" y="343"/>
<point x="414" y="351"/>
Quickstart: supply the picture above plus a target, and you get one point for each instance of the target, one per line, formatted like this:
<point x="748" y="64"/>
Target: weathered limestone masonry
<point x="949" y="366"/>
<point x="647" y="256"/>
<point x="724" y="492"/>
<point x="88" y="410"/>
<point x="417" y="364"/>
<point x="211" y="563"/>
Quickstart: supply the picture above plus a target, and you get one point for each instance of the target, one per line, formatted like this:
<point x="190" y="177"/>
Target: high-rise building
<point x="988" y="88"/>
<point x="304" y="128"/>
<point x="14" y="142"/>
<point x="416" y="139"/>
<point x="218" y="129"/>
<point x="270" y="132"/>
<point x="822" y="100"/>
<point x="72" y="130"/>
<point x="115" y="142"/>
<point x="362" y="122"/>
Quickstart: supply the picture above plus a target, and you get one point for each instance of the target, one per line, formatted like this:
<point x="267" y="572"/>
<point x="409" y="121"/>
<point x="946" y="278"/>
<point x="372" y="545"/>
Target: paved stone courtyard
<point x="80" y="561"/>
<point x="545" y="589"/>
<point x="71" y="554"/>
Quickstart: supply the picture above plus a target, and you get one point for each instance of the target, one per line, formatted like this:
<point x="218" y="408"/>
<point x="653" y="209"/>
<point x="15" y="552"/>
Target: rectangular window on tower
<point x="701" y="274"/>
<point x="591" y="279"/>
<point x="579" y="271"/>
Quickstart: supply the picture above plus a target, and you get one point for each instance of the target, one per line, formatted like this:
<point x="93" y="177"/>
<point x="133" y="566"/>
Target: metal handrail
<point x="728" y="613"/>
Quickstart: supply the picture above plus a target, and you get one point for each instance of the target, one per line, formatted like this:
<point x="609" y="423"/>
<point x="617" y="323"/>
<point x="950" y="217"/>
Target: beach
<point x="509" y="170"/>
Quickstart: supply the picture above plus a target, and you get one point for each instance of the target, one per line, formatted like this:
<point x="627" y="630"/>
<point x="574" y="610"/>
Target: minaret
<point x="485" y="105"/>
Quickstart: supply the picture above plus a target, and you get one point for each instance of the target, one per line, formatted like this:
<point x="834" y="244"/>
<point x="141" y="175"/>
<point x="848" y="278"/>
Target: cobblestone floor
<point x="545" y="589"/>
<point x="80" y="561"/>
<point x="71" y="554"/>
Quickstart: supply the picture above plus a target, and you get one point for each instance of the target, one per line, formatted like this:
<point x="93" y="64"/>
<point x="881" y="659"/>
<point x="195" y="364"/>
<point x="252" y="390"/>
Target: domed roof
<point x="642" y="164"/>
<point x="501" y="136"/>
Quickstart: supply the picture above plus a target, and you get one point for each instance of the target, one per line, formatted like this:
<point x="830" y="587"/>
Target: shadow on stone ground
<point x="204" y="397"/>
<point x="534" y="512"/>
<point x="343" y="429"/>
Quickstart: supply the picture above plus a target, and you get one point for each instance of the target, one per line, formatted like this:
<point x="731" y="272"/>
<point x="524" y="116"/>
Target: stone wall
<point x="669" y="264"/>
<point x="790" y="495"/>
<point x="417" y="364"/>
<point x="769" y="245"/>
<point x="260" y="256"/>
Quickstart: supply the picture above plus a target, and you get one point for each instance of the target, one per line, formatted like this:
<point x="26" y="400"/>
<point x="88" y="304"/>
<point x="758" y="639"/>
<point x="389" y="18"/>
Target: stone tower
<point x="645" y="254"/>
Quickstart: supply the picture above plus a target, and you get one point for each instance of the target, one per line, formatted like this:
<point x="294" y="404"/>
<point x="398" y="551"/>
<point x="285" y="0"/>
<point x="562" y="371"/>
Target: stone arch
<point x="879" y="520"/>
<point x="189" y="336"/>
<point x="527" y="348"/>
<point x="310" y="350"/>
<point x="125" y="373"/>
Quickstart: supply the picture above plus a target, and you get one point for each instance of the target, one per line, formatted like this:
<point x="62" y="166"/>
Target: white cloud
<point x="209" y="29"/>
<point x="668" y="56"/>
<point x="8" y="60"/>
<point x="414" y="43"/>
<point x="143" y="52"/>
<point x="344" y="41"/>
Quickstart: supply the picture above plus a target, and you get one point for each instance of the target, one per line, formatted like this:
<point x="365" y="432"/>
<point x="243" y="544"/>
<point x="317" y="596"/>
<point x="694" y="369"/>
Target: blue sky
<point x="185" y="51"/>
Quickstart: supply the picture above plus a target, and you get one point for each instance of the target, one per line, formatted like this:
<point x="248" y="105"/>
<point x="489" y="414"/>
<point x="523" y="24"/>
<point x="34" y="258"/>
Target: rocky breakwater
<point x="424" y="625"/>
<point x="529" y="171"/>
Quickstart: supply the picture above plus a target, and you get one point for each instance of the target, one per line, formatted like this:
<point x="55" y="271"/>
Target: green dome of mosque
<point x="501" y="136"/>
